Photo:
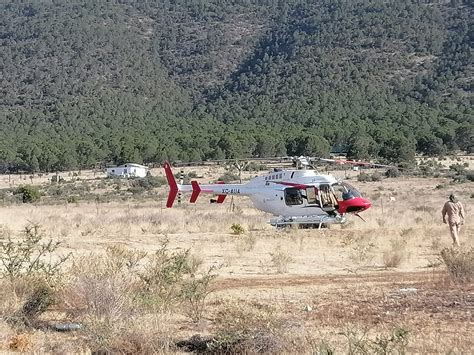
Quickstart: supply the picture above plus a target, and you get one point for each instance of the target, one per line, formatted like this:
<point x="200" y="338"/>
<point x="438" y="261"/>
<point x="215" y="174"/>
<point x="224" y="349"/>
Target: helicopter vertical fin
<point x="172" y="183"/>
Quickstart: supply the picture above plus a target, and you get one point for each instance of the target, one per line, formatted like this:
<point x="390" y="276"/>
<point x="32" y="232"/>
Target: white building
<point x="127" y="170"/>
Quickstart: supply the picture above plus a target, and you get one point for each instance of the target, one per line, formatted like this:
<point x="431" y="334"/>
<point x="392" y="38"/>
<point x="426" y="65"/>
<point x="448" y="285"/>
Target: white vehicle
<point x="127" y="170"/>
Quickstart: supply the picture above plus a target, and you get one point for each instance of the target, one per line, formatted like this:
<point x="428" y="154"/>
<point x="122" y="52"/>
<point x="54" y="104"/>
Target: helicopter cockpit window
<point x="311" y="196"/>
<point x="293" y="197"/>
<point x="345" y="191"/>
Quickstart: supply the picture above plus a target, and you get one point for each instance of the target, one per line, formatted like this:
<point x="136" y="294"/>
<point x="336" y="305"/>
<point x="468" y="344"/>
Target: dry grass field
<point x="143" y="278"/>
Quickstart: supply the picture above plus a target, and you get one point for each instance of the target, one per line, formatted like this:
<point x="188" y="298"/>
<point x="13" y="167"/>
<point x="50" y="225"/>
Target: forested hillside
<point x="197" y="79"/>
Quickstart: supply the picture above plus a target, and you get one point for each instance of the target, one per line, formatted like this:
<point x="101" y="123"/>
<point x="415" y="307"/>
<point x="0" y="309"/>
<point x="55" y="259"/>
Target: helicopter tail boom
<point x="220" y="189"/>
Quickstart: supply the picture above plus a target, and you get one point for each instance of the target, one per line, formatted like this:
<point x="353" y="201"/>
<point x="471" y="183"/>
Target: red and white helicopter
<point x="301" y="197"/>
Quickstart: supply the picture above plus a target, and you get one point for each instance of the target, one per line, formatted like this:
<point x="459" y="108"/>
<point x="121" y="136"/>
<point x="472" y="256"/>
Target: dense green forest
<point x="130" y="80"/>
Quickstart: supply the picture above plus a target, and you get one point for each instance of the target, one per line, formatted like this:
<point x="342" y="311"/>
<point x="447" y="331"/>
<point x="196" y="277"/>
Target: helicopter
<point x="301" y="197"/>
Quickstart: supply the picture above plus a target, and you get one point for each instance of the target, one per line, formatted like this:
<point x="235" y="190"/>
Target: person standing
<point x="454" y="211"/>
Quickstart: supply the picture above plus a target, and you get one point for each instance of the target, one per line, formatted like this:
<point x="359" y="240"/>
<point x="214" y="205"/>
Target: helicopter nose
<point x="366" y="204"/>
<point x="354" y="205"/>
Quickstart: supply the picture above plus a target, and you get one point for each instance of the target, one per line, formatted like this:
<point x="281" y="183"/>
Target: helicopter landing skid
<point x="307" y="222"/>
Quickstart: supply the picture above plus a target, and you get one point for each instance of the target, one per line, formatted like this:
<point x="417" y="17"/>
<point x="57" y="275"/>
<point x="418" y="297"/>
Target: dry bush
<point x="21" y="342"/>
<point x="459" y="263"/>
<point x="393" y="258"/>
<point x="246" y="328"/>
<point x="40" y="299"/>
<point x="99" y="298"/>
<point x="111" y="296"/>
<point x="362" y="249"/>
<point x="138" y="335"/>
<point x="119" y="257"/>
<point x="106" y="295"/>
<point x="5" y="231"/>
<point x="9" y="300"/>
<point x="162" y="277"/>
<point x="194" y="292"/>
<point x="435" y="243"/>
<point x="393" y="342"/>
<point x="280" y="260"/>
<point x="245" y="243"/>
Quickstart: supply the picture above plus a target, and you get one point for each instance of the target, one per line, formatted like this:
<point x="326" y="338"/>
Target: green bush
<point x="29" y="193"/>
<point x="393" y="173"/>
<point x="253" y="166"/>
<point x="470" y="175"/>
<point x="228" y="177"/>
<point x="364" y="177"/>
<point x="459" y="169"/>
<point x="237" y="229"/>
<point x="147" y="183"/>
<point x="376" y="177"/>
<point x="72" y="199"/>
<point x="30" y="256"/>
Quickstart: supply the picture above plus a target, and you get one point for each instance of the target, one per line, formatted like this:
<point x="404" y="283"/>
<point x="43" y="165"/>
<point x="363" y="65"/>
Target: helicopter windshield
<point x="346" y="191"/>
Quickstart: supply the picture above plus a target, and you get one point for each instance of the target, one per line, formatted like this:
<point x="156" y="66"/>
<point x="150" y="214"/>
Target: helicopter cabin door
<point x="312" y="198"/>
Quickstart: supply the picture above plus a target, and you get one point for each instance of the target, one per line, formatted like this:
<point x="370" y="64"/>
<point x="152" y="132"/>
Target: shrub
<point x="194" y="292"/>
<point x="21" y="342"/>
<point x="72" y="199"/>
<point x="393" y="173"/>
<point x="280" y="261"/>
<point x="362" y="249"/>
<point x="458" y="169"/>
<point x="170" y="278"/>
<point x="119" y="258"/>
<point x="393" y="343"/>
<point x="237" y="229"/>
<point x="147" y="183"/>
<point x="36" y="303"/>
<point x="459" y="263"/>
<point x="376" y="177"/>
<point x="470" y="175"/>
<point x="245" y="328"/>
<point x="364" y="177"/>
<point x="254" y="166"/>
<point x="246" y="243"/>
<point x="30" y="256"/>
<point x="228" y="177"/>
<point x="29" y="193"/>
<point x="393" y="257"/>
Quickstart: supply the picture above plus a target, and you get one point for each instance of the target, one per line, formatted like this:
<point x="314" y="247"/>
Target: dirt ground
<point x="327" y="281"/>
